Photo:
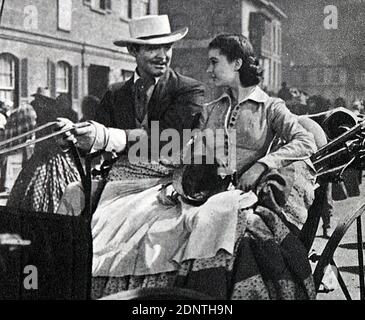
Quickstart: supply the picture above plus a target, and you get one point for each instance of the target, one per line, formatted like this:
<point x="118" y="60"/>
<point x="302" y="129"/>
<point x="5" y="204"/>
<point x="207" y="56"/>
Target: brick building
<point x="66" y="45"/>
<point x="323" y="47"/>
<point x="258" y="20"/>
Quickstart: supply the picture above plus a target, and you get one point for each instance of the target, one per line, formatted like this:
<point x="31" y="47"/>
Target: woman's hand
<point x="251" y="177"/>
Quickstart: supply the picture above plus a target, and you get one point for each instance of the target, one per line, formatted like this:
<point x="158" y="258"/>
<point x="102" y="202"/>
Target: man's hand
<point x="83" y="134"/>
<point x="68" y="137"/>
<point x="251" y="177"/>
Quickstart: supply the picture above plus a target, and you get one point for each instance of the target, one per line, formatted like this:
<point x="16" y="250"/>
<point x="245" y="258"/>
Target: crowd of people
<point x="301" y="103"/>
<point x="162" y="223"/>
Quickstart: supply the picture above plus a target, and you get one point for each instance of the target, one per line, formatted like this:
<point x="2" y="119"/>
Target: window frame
<point x="62" y="24"/>
<point x="126" y="16"/>
<point x="95" y="5"/>
<point x="14" y="89"/>
<point x="68" y="77"/>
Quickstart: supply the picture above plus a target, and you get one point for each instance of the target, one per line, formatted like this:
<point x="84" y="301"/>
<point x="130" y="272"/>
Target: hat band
<point x="155" y="36"/>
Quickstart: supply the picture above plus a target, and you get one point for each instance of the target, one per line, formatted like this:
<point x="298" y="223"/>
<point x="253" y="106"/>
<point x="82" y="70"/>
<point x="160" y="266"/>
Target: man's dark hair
<point x="236" y="46"/>
<point x="133" y="47"/>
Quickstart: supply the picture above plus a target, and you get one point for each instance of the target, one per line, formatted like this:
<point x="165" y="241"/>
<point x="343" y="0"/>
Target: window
<point x="63" y="75"/>
<point x="126" y="9"/>
<point x="105" y="4"/>
<point x="64" y="15"/>
<point x="101" y="5"/>
<point x="8" y="77"/>
<point x="140" y="8"/>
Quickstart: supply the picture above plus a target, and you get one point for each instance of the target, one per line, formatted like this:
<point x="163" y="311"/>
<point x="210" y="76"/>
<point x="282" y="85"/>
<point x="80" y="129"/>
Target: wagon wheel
<point x="326" y="257"/>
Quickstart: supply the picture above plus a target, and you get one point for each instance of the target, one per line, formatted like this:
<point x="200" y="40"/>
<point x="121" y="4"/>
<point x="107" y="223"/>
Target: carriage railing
<point x="331" y="162"/>
<point x="343" y="152"/>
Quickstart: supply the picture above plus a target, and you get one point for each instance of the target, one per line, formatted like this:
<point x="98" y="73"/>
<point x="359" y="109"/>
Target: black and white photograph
<point x="193" y="152"/>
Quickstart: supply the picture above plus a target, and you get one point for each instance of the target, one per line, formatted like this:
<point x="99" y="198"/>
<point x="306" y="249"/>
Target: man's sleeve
<point x="187" y="107"/>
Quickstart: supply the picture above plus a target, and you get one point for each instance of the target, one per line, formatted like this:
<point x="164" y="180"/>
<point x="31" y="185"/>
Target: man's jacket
<point x="176" y="103"/>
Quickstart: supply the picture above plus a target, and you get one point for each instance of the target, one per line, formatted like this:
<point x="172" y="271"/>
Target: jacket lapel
<point x="159" y="96"/>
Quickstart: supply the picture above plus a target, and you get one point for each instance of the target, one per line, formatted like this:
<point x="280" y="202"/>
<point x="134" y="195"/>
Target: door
<point x="98" y="80"/>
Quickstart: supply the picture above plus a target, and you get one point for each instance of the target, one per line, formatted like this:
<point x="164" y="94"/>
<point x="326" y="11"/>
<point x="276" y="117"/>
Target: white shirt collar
<point x="257" y="95"/>
<point x="136" y="77"/>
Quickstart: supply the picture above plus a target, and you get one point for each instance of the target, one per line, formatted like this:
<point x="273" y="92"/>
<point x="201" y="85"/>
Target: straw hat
<point x="151" y="30"/>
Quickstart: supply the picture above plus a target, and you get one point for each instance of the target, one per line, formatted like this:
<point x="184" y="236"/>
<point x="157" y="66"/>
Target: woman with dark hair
<point x="251" y="114"/>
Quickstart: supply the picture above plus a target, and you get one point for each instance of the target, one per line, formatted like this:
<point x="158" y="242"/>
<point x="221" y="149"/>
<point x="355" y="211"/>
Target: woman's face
<point x="221" y="70"/>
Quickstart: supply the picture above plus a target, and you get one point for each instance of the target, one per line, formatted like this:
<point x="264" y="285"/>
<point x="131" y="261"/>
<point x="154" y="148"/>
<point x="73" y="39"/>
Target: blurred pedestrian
<point x="284" y="92"/>
<point x="339" y="102"/>
<point x="317" y="104"/>
<point x="46" y="174"/>
<point x="357" y="107"/>
<point x="64" y="106"/>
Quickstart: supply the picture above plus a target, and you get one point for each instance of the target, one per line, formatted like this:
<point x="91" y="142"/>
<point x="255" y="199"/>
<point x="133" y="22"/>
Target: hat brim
<point x="164" y="39"/>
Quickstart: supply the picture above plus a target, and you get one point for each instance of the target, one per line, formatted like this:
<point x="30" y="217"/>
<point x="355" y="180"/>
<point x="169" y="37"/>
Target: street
<point x="346" y="254"/>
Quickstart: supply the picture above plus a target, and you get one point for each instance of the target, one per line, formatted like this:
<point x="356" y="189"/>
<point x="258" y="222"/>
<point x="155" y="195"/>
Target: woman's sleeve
<point x="300" y="143"/>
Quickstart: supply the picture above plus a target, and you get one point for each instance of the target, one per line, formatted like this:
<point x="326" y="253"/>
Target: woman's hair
<point x="236" y="46"/>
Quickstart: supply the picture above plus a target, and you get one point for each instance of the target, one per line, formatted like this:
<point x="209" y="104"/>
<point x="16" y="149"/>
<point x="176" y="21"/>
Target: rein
<point x="7" y="150"/>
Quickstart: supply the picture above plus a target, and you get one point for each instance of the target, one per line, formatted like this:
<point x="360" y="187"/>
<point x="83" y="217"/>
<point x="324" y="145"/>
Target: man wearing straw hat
<point x="154" y="93"/>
